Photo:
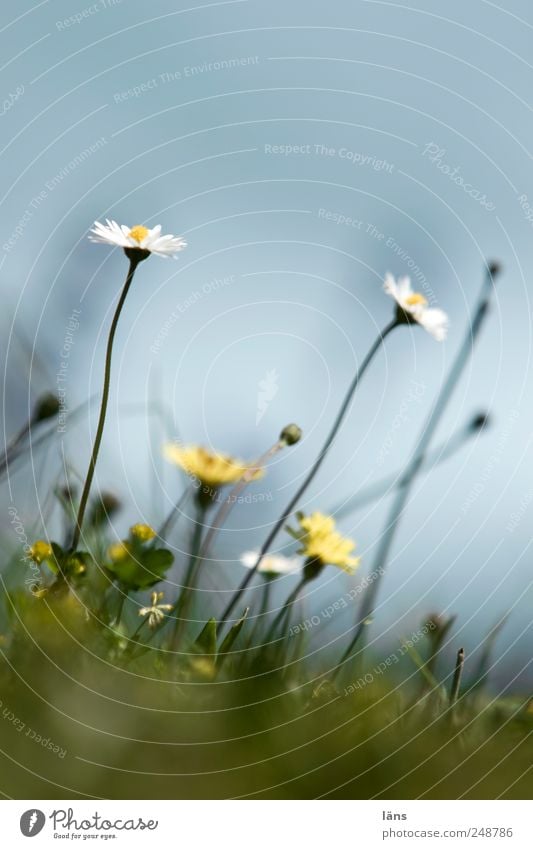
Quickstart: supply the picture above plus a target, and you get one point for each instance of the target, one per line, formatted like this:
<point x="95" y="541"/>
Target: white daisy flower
<point x="414" y="307"/>
<point x="138" y="237"/>
<point x="271" y="564"/>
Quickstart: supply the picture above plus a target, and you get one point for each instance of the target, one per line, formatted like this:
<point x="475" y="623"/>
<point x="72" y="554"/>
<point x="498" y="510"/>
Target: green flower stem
<point x="416" y="461"/>
<point x="184" y="599"/>
<point x="173" y="515"/>
<point x="395" y="481"/>
<point x="134" y="261"/>
<point x="120" y="608"/>
<point x="134" y="639"/>
<point x="44" y="437"/>
<point x="285" y="609"/>
<point x="135" y="635"/>
<point x="11" y="451"/>
<point x="38" y="415"/>
<point x="225" y="508"/>
<point x="265" y="607"/>
<point x="345" y="406"/>
<point x="457" y="675"/>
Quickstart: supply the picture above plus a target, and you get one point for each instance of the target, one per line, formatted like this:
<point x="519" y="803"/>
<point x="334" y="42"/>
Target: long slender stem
<point x="417" y="458"/>
<point x="316" y="466"/>
<point x="120" y="608"/>
<point x="173" y="515"/>
<point x="457" y="675"/>
<point x="133" y="640"/>
<point x="180" y="607"/>
<point x="265" y="606"/>
<point x="11" y="449"/>
<point x="285" y="609"/>
<point x="225" y="508"/>
<point x="47" y="407"/>
<point x="388" y="484"/>
<point x="103" y="405"/>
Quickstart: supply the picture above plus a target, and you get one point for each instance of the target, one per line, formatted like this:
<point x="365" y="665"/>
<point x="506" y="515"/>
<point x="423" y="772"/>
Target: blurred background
<point x="303" y="150"/>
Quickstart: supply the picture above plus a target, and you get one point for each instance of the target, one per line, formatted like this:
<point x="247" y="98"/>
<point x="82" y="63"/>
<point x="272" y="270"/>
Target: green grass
<point x="184" y="725"/>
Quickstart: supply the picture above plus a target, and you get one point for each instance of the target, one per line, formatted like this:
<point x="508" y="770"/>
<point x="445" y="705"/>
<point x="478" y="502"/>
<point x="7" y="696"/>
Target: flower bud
<point x="495" y="268"/>
<point x="291" y="434"/>
<point x="102" y="509"/>
<point x="47" y="407"/>
<point x="118" y="551"/>
<point x="480" y="421"/>
<point x="141" y="532"/>
<point x="40" y="551"/>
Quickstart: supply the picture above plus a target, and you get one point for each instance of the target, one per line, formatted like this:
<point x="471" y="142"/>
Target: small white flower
<point x="415" y="307"/>
<point x="139" y="237"/>
<point x="271" y="564"/>
<point x="156" y="612"/>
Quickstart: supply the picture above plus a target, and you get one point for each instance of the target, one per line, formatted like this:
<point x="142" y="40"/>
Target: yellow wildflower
<point x="212" y="469"/>
<point x="144" y="533"/>
<point x="320" y="541"/>
<point x="40" y="551"/>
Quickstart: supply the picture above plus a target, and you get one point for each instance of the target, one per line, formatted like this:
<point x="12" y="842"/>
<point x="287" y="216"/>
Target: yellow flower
<point x="40" y="551"/>
<point x="212" y="469"/>
<point x="317" y="524"/>
<point x="118" y="551"/>
<point x="144" y="533"/>
<point x="320" y="541"/>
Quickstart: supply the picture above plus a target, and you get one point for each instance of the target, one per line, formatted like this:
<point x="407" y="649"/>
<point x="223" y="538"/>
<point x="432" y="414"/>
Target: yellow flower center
<point x="416" y="299"/>
<point x="138" y="233"/>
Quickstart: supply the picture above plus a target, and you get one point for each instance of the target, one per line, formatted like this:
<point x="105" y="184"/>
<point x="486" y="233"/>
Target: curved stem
<point x="182" y="604"/>
<point x="10" y="451"/>
<point x="225" y="508"/>
<point x="416" y="461"/>
<point x="173" y="515"/>
<point x="285" y="609"/>
<point x="316" y="466"/>
<point x="386" y="485"/>
<point x="118" y="616"/>
<point x="264" y="610"/>
<point x="134" y="639"/>
<point x="103" y="405"/>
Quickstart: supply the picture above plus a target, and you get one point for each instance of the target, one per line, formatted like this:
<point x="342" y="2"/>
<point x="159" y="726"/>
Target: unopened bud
<point x="142" y="532"/>
<point x="480" y="421"/>
<point x="495" y="268"/>
<point x="47" y="407"/>
<point x="291" y="434"/>
<point x="102" y="509"/>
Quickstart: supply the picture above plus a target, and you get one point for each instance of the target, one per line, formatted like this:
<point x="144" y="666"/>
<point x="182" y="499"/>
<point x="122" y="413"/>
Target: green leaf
<point x="423" y="668"/>
<point x="206" y="641"/>
<point x="148" y="569"/>
<point x="158" y="560"/>
<point x="232" y="634"/>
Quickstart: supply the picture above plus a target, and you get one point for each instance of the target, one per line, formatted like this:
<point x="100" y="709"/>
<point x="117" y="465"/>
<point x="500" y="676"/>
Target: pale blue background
<point x="383" y="79"/>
